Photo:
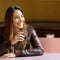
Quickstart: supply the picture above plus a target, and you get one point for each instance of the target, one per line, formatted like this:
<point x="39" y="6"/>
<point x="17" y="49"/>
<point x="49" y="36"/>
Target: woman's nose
<point x="21" y="24"/>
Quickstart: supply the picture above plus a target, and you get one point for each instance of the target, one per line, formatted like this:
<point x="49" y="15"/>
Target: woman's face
<point x="18" y="19"/>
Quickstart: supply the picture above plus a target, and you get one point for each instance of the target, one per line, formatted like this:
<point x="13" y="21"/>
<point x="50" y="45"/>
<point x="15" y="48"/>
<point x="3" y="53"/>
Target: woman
<point x="18" y="36"/>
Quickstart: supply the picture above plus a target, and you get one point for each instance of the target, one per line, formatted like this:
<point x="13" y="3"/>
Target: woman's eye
<point x="22" y="16"/>
<point x="16" y="17"/>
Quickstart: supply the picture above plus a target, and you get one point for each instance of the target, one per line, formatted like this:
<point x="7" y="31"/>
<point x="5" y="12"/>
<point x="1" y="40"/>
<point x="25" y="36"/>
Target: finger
<point x="8" y="55"/>
<point x="21" y="36"/>
<point x="20" y="39"/>
<point x="4" y="56"/>
<point x="20" y="33"/>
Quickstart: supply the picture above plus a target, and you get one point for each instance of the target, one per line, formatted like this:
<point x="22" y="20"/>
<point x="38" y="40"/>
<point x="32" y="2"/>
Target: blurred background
<point x="43" y="15"/>
<point x="34" y="10"/>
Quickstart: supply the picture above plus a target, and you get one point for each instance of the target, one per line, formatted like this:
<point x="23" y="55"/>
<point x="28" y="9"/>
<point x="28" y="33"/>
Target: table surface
<point x="46" y="56"/>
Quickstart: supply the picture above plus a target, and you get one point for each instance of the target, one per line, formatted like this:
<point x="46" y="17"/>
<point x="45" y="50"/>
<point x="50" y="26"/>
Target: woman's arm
<point x="37" y="47"/>
<point x="36" y="44"/>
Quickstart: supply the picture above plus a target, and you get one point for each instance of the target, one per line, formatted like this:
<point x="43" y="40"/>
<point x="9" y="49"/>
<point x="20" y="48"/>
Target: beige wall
<point x="39" y="10"/>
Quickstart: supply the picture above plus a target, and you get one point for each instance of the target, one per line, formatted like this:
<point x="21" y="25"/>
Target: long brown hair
<point x="8" y="21"/>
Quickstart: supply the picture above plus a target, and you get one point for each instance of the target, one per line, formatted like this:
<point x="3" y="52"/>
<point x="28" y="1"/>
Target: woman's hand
<point x="18" y="37"/>
<point x="8" y="55"/>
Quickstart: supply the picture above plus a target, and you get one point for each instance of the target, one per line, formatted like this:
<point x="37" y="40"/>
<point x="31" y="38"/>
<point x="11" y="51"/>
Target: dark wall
<point x="42" y="28"/>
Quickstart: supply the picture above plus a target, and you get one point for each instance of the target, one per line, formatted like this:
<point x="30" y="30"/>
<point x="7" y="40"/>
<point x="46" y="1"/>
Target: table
<point x="46" y="56"/>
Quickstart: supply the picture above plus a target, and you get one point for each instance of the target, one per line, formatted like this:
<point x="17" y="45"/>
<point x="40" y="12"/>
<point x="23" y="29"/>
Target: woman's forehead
<point x="17" y="12"/>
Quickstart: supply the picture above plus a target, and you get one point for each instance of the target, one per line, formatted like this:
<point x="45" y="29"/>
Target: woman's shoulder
<point x="30" y="27"/>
